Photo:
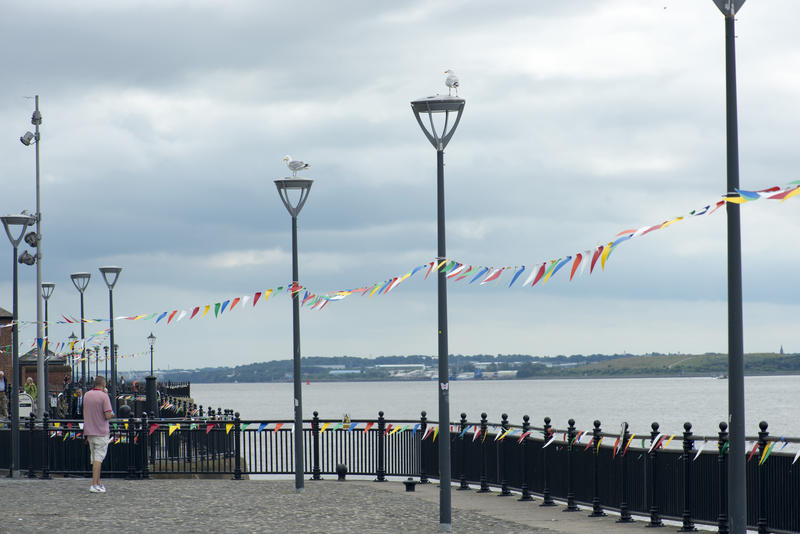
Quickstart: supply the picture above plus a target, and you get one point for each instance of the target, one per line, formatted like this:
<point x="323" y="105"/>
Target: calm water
<point x="639" y="401"/>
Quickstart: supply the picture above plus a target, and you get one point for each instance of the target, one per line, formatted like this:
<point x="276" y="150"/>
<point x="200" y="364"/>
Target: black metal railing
<point x="680" y="477"/>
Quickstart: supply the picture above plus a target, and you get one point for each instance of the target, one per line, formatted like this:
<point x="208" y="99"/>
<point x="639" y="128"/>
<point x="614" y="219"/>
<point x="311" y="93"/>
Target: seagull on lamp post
<point x="294" y="165"/>
<point x="451" y="82"/>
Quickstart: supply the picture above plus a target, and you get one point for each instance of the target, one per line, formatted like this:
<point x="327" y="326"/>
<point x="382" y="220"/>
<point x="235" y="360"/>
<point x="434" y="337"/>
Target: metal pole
<point x="16" y="379"/>
<point x="737" y="483"/>
<point x="40" y="353"/>
<point x="445" y="523"/>
<point x="298" y="393"/>
<point x="151" y="360"/>
<point x="113" y="390"/>
<point x="46" y="379"/>
<point x="83" y="346"/>
<point x="105" y="363"/>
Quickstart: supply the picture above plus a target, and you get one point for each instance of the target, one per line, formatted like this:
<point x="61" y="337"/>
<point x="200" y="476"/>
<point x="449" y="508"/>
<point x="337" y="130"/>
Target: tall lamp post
<point x="47" y="292"/>
<point x="72" y="339"/>
<point x="15" y="226"/>
<point x="448" y="107"/>
<point x="35" y="240"/>
<point x="81" y="282"/>
<point x="737" y="479"/>
<point x="287" y="189"/>
<point x="150" y="381"/>
<point x="105" y="371"/>
<point x="111" y="275"/>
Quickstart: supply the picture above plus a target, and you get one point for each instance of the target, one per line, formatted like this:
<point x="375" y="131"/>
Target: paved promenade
<point x="328" y="506"/>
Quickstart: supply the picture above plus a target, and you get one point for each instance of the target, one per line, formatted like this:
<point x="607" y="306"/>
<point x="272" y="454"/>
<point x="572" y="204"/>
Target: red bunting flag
<point x="209" y="427"/>
<point x="153" y="428"/>
<point x="595" y="257"/>
<point x="387" y="429"/>
<point x="614" y="450"/>
<point x="194" y="312"/>
<point x="171" y="315"/>
<point x="277" y="427"/>
<point x="369" y="425"/>
<point x="539" y="274"/>
<point x="575" y="265"/>
<point x="755" y="448"/>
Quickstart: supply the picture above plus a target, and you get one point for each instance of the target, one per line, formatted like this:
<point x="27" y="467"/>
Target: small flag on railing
<point x="173" y="428"/>
<point x="368" y="426"/>
<point x="262" y="426"/>
<point x="153" y="428"/>
<point x="209" y="427"/>
<point x="277" y="427"/>
<point x="228" y="427"/>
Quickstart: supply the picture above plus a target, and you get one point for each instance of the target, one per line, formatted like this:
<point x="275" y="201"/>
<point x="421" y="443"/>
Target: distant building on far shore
<point x="781" y="349"/>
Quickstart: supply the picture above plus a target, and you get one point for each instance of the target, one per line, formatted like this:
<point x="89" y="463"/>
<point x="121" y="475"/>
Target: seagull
<point x="294" y="165"/>
<point x="451" y="82"/>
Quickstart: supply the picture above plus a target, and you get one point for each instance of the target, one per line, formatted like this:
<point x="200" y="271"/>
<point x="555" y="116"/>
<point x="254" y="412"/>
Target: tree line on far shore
<point x="342" y="368"/>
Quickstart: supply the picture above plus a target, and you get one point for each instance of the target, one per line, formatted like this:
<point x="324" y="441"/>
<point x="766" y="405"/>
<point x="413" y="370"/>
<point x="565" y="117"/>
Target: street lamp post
<point x="105" y="363"/>
<point x="36" y="241"/>
<point x="428" y="108"/>
<point x="150" y="381"/>
<point x="737" y="477"/>
<point x="300" y="188"/>
<point x="81" y="282"/>
<point x="15" y="226"/>
<point x="96" y="362"/>
<point x="47" y="292"/>
<point x="72" y="339"/>
<point x="111" y="275"/>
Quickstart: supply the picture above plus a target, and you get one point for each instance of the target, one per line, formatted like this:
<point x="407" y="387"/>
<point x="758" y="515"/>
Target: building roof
<point x="30" y="357"/>
<point x="5" y="314"/>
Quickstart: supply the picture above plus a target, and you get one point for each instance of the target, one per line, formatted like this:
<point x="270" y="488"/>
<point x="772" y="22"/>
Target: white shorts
<point x="98" y="445"/>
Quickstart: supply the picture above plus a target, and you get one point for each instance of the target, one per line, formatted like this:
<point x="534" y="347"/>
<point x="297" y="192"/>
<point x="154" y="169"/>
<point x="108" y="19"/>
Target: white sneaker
<point x="95" y="489"/>
<point x="102" y="488"/>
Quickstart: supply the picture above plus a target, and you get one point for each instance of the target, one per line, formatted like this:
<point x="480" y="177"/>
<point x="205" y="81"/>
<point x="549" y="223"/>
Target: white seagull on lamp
<point x="294" y="165"/>
<point x="451" y="82"/>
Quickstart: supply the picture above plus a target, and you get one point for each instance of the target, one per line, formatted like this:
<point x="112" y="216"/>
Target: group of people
<point x="5" y="389"/>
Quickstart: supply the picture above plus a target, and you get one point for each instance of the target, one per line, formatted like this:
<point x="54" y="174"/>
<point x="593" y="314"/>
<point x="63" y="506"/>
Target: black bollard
<point x="722" y="464"/>
<point x="547" y="498"/>
<point x="463" y="426"/>
<point x="503" y="461"/>
<point x="688" y="442"/>
<point x="315" y="470"/>
<point x="526" y="425"/>
<point x="237" y="444"/>
<point x="762" y="482"/>
<point x="597" y="435"/>
<point x="381" y="472"/>
<point x="571" y="435"/>
<point x="655" y="516"/>
<point x="45" y="447"/>
<point x="484" y="466"/>
<point x="31" y="464"/>
<point x="624" y="513"/>
<point x="423" y="426"/>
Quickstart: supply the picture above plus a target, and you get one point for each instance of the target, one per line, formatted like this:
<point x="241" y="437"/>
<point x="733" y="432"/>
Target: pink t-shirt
<point x="95" y="405"/>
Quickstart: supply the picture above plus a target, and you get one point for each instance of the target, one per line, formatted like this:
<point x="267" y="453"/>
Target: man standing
<point x="3" y="398"/>
<point x="96" y="413"/>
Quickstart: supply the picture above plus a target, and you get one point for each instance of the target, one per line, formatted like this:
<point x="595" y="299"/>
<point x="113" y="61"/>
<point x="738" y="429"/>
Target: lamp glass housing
<point x="294" y="187"/>
<point x="110" y="275"/>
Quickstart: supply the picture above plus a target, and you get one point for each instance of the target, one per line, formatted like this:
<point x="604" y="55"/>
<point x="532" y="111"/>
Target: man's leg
<point x="96" y="473"/>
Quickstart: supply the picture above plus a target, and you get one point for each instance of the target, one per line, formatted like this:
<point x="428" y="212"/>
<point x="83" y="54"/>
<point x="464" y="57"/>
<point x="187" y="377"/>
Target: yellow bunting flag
<point x="324" y="427"/>
<point x="173" y="428"/>
<point x="664" y="446"/>
<point x="205" y="311"/>
<point x="604" y="255"/>
<point x="435" y="433"/>
<point x="228" y="427"/>
<point x="267" y="293"/>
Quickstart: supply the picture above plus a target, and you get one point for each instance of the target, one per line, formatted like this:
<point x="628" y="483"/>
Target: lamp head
<point x="47" y="289"/>
<point x="288" y="186"/>
<point x="27" y="139"/>
<point x="431" y="106"/>
<point x="151" y="339"/>
<point x="110" y="275"/>
<point x="15" y="226"/>
<point x="81" y="280"/>
<point x="72" y="337"/>
<point x="27" y="258"/>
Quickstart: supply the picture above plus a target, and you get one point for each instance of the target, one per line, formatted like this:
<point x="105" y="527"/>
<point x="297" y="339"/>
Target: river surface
<point x="639" y="401"/>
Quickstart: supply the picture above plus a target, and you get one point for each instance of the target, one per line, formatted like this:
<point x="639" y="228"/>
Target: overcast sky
<point x="164" y="125"/>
